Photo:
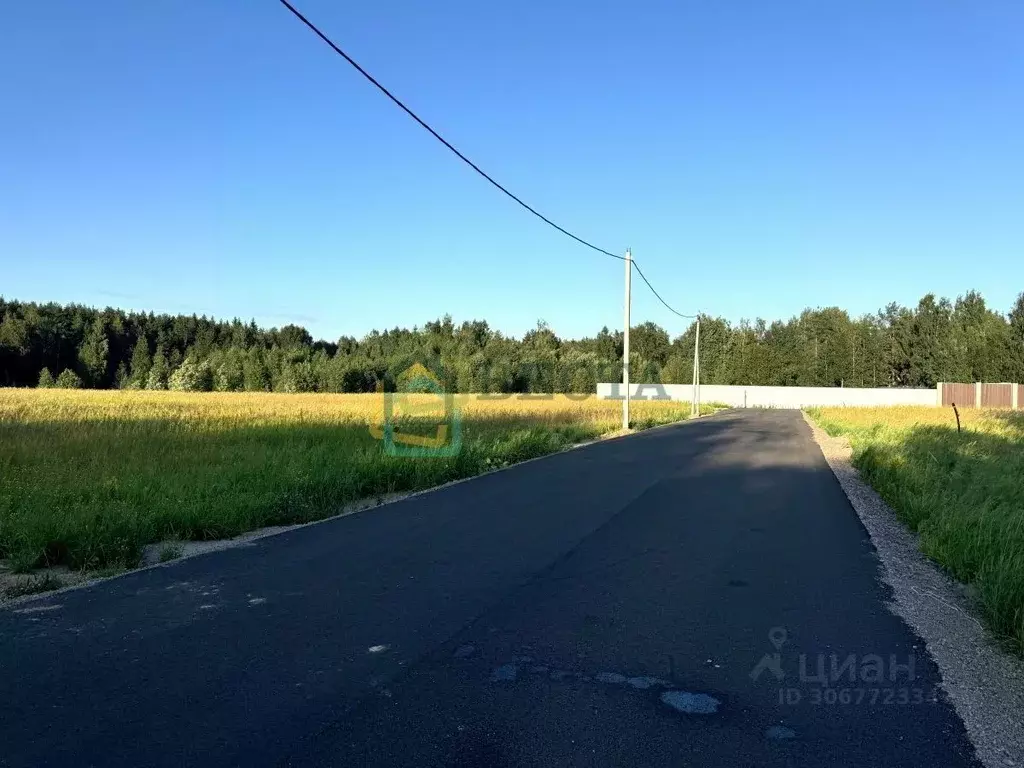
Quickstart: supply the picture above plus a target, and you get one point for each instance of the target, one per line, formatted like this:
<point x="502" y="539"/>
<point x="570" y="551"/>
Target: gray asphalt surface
<point x="577" y="610"/>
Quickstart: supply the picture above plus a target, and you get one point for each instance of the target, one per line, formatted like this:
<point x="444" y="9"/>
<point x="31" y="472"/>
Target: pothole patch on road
<point x="464" y="651"/>
<point x="691" y="703"/>
<point x="684" y="702"/>
<point x="506" y="673"/>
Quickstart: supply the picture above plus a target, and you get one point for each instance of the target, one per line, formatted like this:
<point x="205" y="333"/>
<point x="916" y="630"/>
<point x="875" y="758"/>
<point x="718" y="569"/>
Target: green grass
<point x="32" y="586"/>
<point x="87" y="479"/>
<point x="170" y="551"/>
<point x="963" y="493"/>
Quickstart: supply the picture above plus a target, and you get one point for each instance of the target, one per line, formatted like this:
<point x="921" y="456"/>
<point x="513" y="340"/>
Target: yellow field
<point x="253" y="408"/>
<point x="907" y="417"/>
<point x="87" y="478"/>
<point x="963" y="492"/>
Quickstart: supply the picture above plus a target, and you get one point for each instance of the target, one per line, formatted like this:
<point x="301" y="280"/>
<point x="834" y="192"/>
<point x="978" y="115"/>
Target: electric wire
<point x="438" y="136"/>
<point x="658" y="295"/>
<point x="337" y="49"/>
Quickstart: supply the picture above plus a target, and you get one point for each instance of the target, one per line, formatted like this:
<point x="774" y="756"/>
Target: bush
<point x="229" y="376"/>
<point x="46" y="379"/>
<point x="191" y="377"/>
<point x="157" y="379"/>
<point x="68" y="379"/>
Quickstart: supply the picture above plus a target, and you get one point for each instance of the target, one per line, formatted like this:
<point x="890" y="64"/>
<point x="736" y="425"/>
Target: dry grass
<point x="87" y="478"/>
<point x="963" y="492"/>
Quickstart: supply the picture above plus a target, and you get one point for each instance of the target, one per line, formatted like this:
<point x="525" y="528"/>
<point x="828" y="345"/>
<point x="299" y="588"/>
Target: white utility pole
<point x="695" y="399"/>
<point x="625" y="344"/>
<point x="698" y="364"/>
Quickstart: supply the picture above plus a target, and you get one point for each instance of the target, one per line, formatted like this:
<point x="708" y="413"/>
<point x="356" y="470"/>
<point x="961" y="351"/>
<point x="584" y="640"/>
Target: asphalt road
<point x="695" y="595"/>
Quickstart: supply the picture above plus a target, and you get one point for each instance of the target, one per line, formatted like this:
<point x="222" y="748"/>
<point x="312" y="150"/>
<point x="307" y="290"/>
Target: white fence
<point x="774" y="397"/>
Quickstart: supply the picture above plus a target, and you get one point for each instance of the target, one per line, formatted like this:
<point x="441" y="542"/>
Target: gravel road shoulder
<point x="985" y="684"/>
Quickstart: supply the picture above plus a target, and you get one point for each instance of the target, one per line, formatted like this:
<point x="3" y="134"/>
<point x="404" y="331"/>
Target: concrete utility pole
<point x="698" y="364"/>
<point x="625" y="344"/>
<point x="695" y="399"/>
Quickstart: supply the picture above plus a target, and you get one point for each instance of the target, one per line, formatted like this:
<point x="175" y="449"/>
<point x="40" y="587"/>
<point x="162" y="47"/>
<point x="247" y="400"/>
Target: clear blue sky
<point x="213" y="156"/>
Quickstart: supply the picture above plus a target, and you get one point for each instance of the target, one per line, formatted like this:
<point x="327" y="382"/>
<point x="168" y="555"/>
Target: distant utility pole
<point x="625" y="344"/>
<point x="695" y="399"/>
<point x="697" y="352"/>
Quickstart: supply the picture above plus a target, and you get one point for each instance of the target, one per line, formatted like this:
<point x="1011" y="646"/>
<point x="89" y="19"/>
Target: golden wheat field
<point x="906" y="417"/>
<point x="87" y="478"/>
<point x="212" y="409"/>
<point x="963" y="492"/>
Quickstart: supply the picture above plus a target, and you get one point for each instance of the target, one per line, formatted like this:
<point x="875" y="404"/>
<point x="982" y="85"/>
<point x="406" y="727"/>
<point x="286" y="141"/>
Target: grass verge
<point x="88" y="478"/>
<point x="31" y="585"/>
<point x="962" y="492"/>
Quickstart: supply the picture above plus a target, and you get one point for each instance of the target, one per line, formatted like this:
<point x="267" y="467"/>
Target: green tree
<point x="191" y="376"/>
<point x="930" y="342"/>
<point x="228" y="373"/>
<point x="68" y="379"/>
<point x="174" y="359"/>
<point x="141" y="362"/>
<point x="93" y="353"/>
<point x="583" y="379"/>
<point x="14" y="346"/>
<point x="255" y="374"/>
<point x="716" y="338"/>
<point x="895" y="347"/>
<point x="159" y="371"/>
<point x="1016" y="319"/>
<point x="896" y="322"/>
<point x="1016" y="340"/>
<point x="46" y="379"/>
<point x="286" y="381"/>
<point x="982" y="340"/>
<point x="650" y="343"/>
<point x="678" y="370"/>
<point x="830" y="336"/>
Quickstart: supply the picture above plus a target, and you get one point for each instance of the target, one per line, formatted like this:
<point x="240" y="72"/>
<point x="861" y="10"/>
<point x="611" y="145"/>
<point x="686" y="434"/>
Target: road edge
<point x="250" y="538"/>
<point x="984" y="683"/>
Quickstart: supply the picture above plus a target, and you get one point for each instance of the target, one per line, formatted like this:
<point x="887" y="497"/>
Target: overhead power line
<point x="658" y="295"/>
<point x="462" y="157"/>
<point x="438" y="136"/>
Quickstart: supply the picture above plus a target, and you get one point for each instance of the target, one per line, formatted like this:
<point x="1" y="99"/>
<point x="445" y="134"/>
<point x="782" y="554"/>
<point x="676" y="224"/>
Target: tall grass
<point x="963" y="493"/>
<point x="87" y="478"/>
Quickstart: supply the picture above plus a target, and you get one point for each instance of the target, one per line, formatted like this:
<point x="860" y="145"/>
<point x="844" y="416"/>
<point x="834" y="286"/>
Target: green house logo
<point x="420" y="392"/>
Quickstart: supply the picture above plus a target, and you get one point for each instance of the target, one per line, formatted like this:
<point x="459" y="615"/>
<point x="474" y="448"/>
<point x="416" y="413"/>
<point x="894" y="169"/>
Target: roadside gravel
<point x="984" y="683"/>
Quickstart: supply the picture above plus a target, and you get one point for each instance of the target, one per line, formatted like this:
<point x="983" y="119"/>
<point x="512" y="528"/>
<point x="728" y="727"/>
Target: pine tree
<point x="46" y="379"/>
<point x="141" y="362"/>
<point x="175" y="359"/>
<point x="93" y="354"/>
<point x="158" y="372"/>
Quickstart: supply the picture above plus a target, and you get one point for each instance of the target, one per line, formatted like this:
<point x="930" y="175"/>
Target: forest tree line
<point x="938" y="340"/>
